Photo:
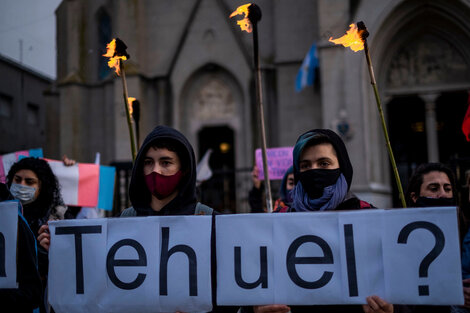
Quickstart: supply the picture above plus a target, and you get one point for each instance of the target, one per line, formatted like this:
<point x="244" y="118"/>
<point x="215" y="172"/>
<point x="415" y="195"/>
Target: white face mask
<point x="25" y="194"/>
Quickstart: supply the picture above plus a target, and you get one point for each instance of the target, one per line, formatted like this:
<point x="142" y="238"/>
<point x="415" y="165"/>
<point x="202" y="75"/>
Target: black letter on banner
<point x="292" y="260"/>
<point x="263" y="275"/>
<point x="2" y="256"/>
<point x="432" y="255"/>
<point x="78" y="231"/>
<point x="111" y="263"/>
<point x="350" y="260"/>
<point x="165" y="255"/>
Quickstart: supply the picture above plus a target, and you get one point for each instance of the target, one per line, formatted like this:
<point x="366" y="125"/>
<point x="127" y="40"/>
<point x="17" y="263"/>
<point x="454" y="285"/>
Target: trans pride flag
<point x="85" y="184"/>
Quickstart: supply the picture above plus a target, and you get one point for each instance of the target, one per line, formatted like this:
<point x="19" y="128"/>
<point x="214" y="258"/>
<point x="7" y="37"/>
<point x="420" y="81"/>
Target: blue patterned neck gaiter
<point x="332" y="196"/>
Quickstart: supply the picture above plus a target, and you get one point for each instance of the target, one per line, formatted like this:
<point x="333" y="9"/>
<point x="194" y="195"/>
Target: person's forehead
<point x="24" y="173"/>
<point x="324" y="149"/>
<point x="153" y="152"/>
<point x="435" y="177"/>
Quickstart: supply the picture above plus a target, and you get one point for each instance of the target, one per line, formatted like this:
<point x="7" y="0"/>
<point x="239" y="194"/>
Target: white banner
<point x="145" y="264"/>
<point x="163" y="264"/>
<point x="339" y="257"/>
<point x="8" y="237"/>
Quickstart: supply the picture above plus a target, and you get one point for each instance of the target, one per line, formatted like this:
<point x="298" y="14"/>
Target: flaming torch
<point x="356" y="39"/>
<point x="252" y="15"/>
<point x="116" y="52"/>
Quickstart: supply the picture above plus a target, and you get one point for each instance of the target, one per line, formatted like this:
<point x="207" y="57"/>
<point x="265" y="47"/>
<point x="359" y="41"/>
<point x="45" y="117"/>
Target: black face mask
<point x="314" y="181"/>
<point x="423" y="202"/>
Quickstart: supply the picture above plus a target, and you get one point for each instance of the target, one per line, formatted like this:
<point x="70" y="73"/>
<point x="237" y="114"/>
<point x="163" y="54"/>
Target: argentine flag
<point x="306" y="75"/>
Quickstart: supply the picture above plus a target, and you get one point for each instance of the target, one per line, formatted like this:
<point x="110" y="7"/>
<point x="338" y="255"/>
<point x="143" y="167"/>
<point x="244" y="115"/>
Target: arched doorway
<point x="219" y="190"/>
<point x="214" y="111"/>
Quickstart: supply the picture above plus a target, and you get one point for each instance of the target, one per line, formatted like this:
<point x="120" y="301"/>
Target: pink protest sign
<point x="279" y="160"/>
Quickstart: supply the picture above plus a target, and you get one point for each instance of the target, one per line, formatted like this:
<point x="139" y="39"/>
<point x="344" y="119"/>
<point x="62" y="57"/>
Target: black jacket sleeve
<point x="29" y="293"/>
<point x="255" y="199"/>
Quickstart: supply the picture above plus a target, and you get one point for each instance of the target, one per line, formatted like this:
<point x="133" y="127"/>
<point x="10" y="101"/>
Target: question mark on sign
<point x="432" y="255"/>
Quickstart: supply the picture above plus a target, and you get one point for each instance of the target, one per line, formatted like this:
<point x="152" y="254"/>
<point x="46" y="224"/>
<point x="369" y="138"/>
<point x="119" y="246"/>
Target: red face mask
<point x="162" y="186"/>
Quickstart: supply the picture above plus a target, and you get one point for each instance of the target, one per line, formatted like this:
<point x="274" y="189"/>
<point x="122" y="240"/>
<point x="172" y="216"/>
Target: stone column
<point x="431" y="129"/>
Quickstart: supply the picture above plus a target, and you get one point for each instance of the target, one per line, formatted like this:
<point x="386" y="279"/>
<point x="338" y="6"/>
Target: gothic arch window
<point x="104" y="37"/>
<point x="423" y="46"/>
<point x="427" y="60"/>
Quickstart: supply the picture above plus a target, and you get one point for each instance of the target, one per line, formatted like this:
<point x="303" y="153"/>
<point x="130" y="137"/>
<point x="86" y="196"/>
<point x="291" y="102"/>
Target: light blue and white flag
<point x="306" y="74"/>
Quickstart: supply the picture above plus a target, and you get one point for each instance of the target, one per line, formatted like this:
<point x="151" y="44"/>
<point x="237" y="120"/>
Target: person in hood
<point x="323" y="175"/>
<point x="163" y="180"/>
<point x="284" y="203"/>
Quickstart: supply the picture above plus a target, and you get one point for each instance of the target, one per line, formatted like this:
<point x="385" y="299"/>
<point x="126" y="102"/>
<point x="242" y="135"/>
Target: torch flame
<point x="352" y="39"/>
<point x="245" y="23"/>
<point x="130" y="100"/>
<point x="113" y="58"/>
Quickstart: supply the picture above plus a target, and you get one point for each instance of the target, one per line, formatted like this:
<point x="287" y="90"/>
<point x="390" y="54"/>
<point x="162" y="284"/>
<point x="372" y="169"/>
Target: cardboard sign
<point x="162" y="264"/>
<point x="148" y="264"/>
<point x="339" y="258"/>
<point x="8" y="237"/>
<point x="279" y="160"/>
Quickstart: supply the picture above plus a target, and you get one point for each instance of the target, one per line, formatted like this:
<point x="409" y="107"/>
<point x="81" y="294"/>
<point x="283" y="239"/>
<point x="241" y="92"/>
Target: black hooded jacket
<point x="185" y="202"/>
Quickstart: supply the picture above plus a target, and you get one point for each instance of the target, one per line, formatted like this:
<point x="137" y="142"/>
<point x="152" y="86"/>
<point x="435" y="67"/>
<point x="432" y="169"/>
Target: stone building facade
<point x="25" y="115"/>
<point x="191" y="68"/>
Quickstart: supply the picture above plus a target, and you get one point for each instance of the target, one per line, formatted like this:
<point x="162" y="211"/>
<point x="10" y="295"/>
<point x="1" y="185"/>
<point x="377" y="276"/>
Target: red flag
<point x="466" y="121"/>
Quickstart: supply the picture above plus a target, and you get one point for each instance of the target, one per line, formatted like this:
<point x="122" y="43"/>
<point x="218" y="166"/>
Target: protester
<point x="466" y="256"/>
<point x="465" y="275"/>
<point x="163" y="182"/>
<point x="28" y="295"/>
<point x="323" y="175"/>
<point x="432" y="185"/>
<point x="32" y="181"/>
<point x="256" y="194"/>
<point x="284" y="203"/>
<point x="323" y="168"/>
